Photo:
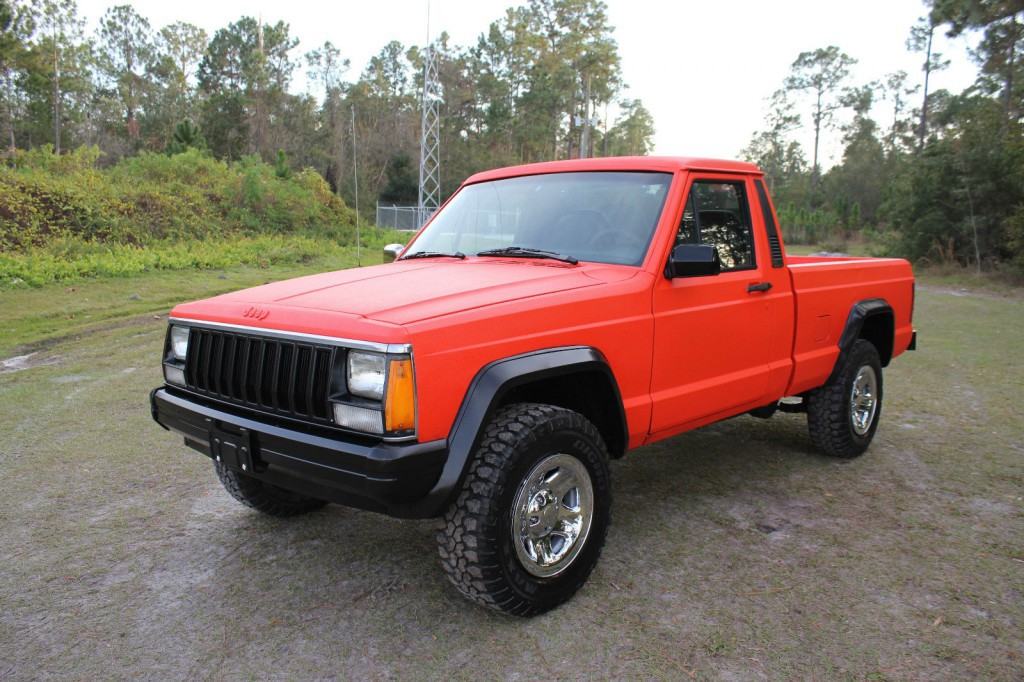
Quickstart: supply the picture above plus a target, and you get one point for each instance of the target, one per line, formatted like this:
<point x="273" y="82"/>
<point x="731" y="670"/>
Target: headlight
<point x="365" y="375"/>
<point x="387" y="381"/>
<point x="179" y="342"/>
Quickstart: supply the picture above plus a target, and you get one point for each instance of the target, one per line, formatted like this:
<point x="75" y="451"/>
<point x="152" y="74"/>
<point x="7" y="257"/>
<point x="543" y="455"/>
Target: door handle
<point x="758" y="286"/>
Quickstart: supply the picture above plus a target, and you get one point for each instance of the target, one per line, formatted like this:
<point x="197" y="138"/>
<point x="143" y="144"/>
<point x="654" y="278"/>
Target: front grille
<point x="274" y="375"/>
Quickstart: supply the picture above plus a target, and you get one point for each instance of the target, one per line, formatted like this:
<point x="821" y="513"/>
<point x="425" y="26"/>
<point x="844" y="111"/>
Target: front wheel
<point x="529" y="523"/>
<point x="842" y="415"/>
<point x="264" y="497"/>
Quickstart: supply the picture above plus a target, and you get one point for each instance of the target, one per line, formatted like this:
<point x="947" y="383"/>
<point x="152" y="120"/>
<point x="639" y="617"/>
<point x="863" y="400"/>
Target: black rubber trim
<point x="913" y="341"/>
<point x="392" y="478"/>
<point x="408" y="480"/>
<point x="485" y="393"/>
<point x="152" y="407"/>
<point x="774" y="244"/>
<point x="860" y="312"/>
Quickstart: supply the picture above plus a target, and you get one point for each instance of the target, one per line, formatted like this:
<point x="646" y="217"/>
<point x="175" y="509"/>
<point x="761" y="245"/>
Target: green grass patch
<point x="30" y="315"/>
<point x="1005" y="282"/>
<point x="70" y="259"/>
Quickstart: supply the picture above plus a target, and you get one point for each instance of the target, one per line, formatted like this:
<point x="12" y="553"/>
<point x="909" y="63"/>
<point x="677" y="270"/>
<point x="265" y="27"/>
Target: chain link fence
<point x="402" y="217"/>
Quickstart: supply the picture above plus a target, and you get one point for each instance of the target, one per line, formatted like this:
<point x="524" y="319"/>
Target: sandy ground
<point x="735" y="551"/>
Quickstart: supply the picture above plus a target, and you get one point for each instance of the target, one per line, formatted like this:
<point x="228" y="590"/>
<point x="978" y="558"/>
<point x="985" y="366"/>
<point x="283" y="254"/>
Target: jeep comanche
<point x="548" y="318"/>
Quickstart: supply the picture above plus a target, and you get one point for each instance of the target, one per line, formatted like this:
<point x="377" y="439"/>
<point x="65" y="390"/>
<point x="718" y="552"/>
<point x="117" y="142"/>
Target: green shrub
<point x="155" y="197"/>
<point x="62" y="218"/>
<point x="42" y="158"/>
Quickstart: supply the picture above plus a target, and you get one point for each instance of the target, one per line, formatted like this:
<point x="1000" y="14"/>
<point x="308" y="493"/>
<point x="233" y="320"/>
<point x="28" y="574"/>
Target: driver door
<point x="712" y="334"/>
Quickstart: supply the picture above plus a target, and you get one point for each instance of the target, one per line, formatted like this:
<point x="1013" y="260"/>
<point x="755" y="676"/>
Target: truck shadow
<point x="341" y="564"/>
<point x="727" y="459"/>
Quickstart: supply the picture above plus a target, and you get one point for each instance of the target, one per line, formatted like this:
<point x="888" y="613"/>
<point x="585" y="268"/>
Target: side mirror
<point x="391" y="252"/>
<point x="693" y="260"/>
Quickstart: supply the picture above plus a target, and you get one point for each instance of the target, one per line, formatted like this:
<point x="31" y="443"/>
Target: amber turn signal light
<point x="400" y="401"/>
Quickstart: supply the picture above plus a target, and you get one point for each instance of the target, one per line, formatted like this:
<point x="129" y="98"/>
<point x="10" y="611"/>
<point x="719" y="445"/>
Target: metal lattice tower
<point x="430" y="141"/>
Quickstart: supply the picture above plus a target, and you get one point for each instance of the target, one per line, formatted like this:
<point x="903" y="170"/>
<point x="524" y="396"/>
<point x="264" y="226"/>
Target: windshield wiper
<point x="524" y="252"/>
<point x="434" y="254"/>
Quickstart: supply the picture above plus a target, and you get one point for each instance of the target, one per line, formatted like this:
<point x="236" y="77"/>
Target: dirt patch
<point x="135" y="321"/>
<point x="965" y="292"/>
<point x="22" y="362"/>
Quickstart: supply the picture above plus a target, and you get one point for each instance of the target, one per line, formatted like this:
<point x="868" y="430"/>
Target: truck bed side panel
<point x="826" y="289"/>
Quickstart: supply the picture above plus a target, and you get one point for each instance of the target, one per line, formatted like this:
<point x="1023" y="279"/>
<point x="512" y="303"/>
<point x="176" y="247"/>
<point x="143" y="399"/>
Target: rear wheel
<point x="264" y="497"/>
<point x="842" y="415"/>
<point x="528" y="526"/>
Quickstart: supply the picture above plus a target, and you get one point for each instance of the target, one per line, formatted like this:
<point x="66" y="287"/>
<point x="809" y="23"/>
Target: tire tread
<point x="828" y="418"/>
<point x="264" y="497"/>
<point x="467" y="543"/>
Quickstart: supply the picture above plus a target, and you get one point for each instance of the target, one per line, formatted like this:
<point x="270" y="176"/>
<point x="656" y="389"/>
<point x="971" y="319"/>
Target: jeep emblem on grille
<point x="256" y="313"/>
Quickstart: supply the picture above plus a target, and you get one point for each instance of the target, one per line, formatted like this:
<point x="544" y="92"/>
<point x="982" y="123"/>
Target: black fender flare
<point x="485" y="392"/>
<point x="859" y="314"/>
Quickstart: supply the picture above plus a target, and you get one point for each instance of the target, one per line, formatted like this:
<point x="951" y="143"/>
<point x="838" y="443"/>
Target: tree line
<point x="518" y="95"/>
<point x="938" y="177"/>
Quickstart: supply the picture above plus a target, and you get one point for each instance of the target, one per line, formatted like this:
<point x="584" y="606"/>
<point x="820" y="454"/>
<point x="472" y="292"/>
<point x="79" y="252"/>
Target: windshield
<point x="592" y="216"/>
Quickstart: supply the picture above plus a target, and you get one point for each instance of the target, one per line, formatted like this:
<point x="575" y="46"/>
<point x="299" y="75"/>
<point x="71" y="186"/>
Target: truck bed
<point x="824" y="285"/>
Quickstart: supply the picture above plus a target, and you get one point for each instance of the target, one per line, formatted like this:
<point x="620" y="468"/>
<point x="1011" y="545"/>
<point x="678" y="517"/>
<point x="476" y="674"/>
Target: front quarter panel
<point x="613" y="318"/>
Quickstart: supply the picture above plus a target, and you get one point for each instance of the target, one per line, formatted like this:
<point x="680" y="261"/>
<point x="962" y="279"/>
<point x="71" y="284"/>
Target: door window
<point x="717" y="214"/>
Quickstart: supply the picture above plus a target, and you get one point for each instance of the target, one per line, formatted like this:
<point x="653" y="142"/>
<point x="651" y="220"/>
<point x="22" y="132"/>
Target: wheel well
<point x="879" y="329"/>
<point x="590" y="393"/>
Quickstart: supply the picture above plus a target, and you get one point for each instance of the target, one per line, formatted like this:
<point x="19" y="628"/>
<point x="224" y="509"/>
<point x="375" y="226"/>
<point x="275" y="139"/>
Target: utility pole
<point x="585" y="136"/>
<point x="258" y="130"/>
<point x="586" y="122"/>
<point x="604" y="137"/>
<point x="923" y="128"/>
<point x="355" y="182"/>
<point x="56" y="94"/>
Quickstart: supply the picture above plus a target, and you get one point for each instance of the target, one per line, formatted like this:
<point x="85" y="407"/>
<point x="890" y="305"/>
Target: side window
<point x="717" y="214"/>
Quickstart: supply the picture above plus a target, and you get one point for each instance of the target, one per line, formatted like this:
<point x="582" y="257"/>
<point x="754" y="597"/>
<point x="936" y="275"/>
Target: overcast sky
<point x="702" y="68"/>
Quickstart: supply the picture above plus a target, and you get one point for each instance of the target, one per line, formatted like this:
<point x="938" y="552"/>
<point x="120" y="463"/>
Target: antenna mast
<point x="430" y="139"/>
<point x="355" y="181"/>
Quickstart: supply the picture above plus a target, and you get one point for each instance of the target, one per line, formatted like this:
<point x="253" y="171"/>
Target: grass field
<point x="735" y="552"/>
<point x="30" y="316"/>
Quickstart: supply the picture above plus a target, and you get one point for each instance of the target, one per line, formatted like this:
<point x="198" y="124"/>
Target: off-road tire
<point x="263" y="497"/>
<point x="828" y="408"/>
<point x="476" y="542"/>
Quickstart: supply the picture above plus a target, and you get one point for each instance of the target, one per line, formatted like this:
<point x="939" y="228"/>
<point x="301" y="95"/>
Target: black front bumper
<point x="393" y="478"/>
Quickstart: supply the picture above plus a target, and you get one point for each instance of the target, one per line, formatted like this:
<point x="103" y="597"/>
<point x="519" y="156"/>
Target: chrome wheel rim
<point x="863" y="400"/>
<point x="552" y="513"/>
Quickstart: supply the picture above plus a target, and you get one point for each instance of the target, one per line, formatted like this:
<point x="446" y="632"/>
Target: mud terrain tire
<point x="263" y="497"/>
<point x="478" y="544"/>
<point x="836" y="428"/>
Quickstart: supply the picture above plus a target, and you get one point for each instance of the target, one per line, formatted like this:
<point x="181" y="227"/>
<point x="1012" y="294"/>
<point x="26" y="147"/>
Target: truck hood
<point x="403" y="292"/>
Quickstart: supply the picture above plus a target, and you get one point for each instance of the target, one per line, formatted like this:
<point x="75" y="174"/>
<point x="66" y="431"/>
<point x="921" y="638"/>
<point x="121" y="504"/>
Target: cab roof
<point x="662" y="164"/>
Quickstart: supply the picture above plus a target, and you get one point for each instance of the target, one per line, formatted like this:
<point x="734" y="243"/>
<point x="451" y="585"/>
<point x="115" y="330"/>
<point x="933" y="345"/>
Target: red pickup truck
<point x="549" y="317"/>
